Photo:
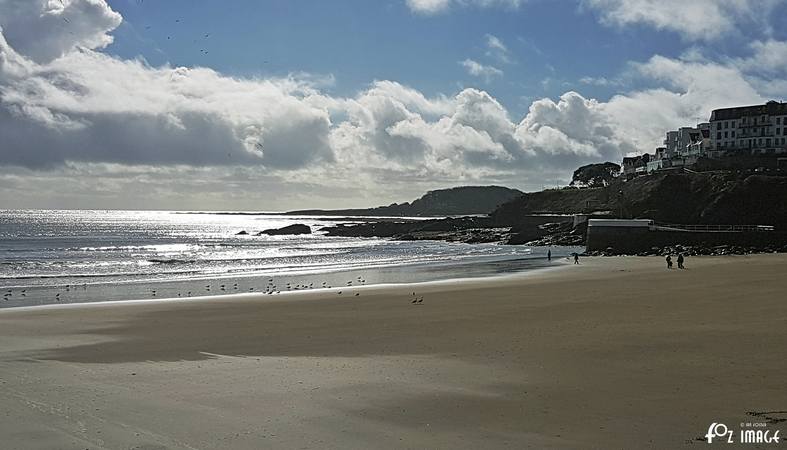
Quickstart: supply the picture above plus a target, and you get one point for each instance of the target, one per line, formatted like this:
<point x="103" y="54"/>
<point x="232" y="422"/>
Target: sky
<point x="275" y="104"/>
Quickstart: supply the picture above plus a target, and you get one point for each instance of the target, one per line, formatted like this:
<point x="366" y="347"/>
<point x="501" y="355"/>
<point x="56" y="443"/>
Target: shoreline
<point x="614" y="353"/>
<point x="262" y="283"/>
<point x="318" y="291"/>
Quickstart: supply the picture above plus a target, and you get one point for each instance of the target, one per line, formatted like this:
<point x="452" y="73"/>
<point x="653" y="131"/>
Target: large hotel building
<point x="754" y="129"/>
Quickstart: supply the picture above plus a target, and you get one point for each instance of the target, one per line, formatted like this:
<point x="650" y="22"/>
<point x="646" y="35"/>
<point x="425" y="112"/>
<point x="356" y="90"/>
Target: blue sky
<point x="346" y="103"/>
<point x="361" y="41"/>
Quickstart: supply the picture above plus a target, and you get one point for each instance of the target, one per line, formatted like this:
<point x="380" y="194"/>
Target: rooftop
<point x="772" y="108"/>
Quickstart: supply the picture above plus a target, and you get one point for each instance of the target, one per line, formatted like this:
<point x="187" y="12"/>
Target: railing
<point x="709" y="228"/>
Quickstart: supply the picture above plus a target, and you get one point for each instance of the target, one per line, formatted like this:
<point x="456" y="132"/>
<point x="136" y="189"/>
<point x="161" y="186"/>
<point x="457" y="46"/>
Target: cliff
<point x="672" y="197"/>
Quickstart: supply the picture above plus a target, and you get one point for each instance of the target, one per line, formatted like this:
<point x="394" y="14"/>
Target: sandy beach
<point x="613" y="353"/>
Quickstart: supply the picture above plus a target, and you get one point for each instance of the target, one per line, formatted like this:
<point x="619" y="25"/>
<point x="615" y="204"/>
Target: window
<point x="726" y="134"/>
<point x="759" y="142"/>
<point x="732" y="133"/>
<point x="778" y="131"/>
<point x="726" y="125"/>
<point x="718" y="135"/>
<point x="778" y="121"/>
<point x="718" y="125"/>
<point x="768" y="142"/>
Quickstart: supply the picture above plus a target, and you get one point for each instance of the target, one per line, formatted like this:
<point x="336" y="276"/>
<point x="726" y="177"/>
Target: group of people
<point x="575" y="255"/>
<point x="669" y="259"/>
<point x="680" y="261"/>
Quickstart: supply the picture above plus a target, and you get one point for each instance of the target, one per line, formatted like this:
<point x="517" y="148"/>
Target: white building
<point x="758" y="129"/>
<point x="742" y="130"/>
<point x="682" y="147"/>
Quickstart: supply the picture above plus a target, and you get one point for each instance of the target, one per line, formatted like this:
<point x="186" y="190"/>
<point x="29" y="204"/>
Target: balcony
<point x="755" y="123"/>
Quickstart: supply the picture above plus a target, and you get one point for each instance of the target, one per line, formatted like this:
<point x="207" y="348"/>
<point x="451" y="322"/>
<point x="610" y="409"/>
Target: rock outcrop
<point x="297" y="228"/>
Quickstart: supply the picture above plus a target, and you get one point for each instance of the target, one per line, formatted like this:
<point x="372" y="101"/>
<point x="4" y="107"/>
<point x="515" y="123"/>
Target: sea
<point x="79" y="256"/>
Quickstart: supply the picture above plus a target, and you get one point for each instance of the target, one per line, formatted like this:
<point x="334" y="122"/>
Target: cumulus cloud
<point x="43" y="30"/>
<point x="689" y="91"/>
<point x="477" y="69"/>
<point x="694" y="20"/>
<point x="87" y="106"/>
<point x="438" y="6"/>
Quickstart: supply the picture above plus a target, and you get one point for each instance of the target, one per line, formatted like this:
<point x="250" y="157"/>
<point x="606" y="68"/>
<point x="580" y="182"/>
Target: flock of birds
<point x="9" y="293"/>
<point x="270" y="289"/>
<point x="203" y="51"/>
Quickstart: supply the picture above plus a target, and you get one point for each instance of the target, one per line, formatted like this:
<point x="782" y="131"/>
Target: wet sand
<point x="613" y="353"/>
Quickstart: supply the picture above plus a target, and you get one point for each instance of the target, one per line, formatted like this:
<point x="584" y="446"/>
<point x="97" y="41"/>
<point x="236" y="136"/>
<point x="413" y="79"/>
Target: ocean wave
<point x="171" y="261"/>
<point x="46" y="276"/>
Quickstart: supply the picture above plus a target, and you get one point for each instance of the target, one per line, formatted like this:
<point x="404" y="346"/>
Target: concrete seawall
<point x="635" y="239"/>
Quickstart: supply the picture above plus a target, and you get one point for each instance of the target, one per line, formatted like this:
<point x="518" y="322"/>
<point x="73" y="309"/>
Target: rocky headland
<point x="548" y="217"/>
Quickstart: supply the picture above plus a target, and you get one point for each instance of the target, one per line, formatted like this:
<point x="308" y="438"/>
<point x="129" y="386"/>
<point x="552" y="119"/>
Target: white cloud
<point x="600" y="81"/>
<point x="768" y="56"/>
<point x="497" y="49"/>
<point x="43" y="30"/>
<point x="689" y="92"/>
<point x="477" y="69"/>
<point x="694" y="20"/>
<point x="86" y="106"/>
<point x="429" y="7"/>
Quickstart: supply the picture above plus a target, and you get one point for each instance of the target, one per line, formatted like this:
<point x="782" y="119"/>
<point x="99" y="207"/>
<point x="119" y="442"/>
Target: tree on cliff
<point x="595" y="175"/>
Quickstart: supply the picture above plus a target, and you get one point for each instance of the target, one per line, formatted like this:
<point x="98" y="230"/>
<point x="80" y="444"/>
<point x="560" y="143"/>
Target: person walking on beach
<point x="669" y="262"/>
<point x="680" y="261"/>
<point x="576" y="258"/>
<point x="549" y="255"/>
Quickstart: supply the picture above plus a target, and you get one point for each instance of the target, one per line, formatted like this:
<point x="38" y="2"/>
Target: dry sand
<point x="613" y="353"/>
